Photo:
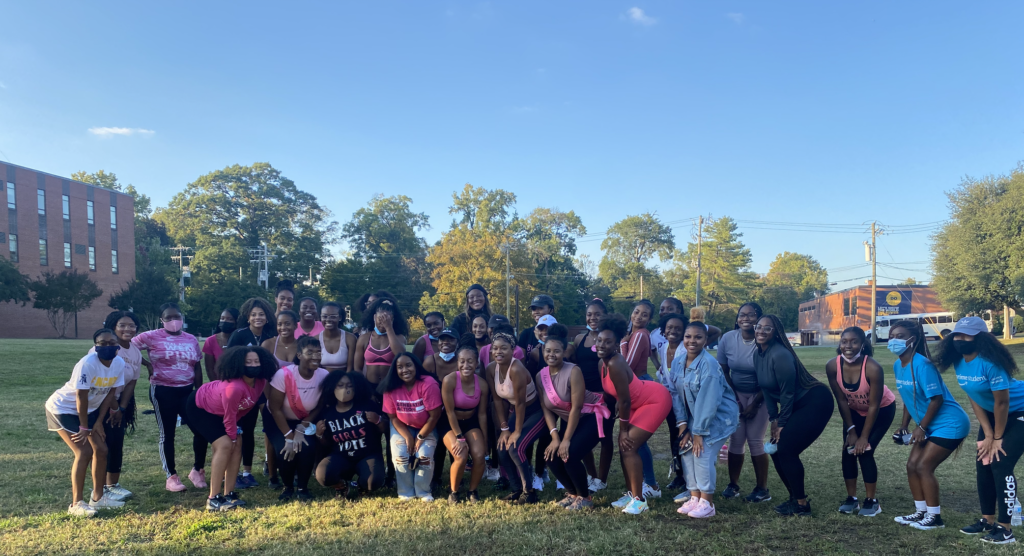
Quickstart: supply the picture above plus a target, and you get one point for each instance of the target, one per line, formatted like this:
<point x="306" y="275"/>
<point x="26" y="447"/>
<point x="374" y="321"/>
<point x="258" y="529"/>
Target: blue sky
<point x="809" y="112"/>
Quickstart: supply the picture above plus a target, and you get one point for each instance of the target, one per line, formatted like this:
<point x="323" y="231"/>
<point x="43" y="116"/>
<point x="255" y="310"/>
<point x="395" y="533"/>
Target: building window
<point x="89" y="217"/>
<point x="113" y="218"/>
<point x="846" y="306"/>
<point x="42" y="253"/>
<point x="41" y="196"/>
<point x="10" y="196"/>
<point x="113" y="261"/>
<point x="66" y="202"/>
<point x="92" y="258"/>
<point x="12" y="244"/>
<point x="67" y="255"/>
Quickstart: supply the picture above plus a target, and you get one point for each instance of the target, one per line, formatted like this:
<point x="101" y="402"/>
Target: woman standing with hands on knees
<point x="867" y="407"/>
<point x="736" y="356"/>
<point x="706" y="413"/>
<point x="464" y="424"/>
<point x="412" y="400"/>
<point x="337" y="344"/>
<point x="799" y="407"/>
<point x="636" y="349"/>
<point x="984" y="370"/>
<point x="643" y="405"/>
<point x="942" y="424"/>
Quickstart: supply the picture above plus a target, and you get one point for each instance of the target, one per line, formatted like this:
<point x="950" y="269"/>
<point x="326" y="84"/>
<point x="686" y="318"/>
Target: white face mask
<point x="851" y="360"/>
<point x="447" y="356"/>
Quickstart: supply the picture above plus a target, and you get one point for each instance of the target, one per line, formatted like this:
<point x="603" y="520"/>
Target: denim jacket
<point x="703" y="398"/>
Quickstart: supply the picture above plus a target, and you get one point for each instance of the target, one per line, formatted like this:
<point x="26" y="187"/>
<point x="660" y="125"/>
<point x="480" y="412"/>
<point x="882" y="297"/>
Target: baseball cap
<point x="497" y="320"/>
<point x="972" y="326"/>
<point x="546" y="320"/>
<point x="447" y="332"/>
<point x="542" y="301"/>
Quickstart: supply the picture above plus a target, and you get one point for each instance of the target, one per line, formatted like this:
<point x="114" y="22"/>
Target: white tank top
<point x="335" y="360"/>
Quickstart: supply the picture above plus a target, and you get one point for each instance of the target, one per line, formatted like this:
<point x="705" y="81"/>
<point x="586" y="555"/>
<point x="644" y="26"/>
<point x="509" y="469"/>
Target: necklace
<point x="746" y="343"/>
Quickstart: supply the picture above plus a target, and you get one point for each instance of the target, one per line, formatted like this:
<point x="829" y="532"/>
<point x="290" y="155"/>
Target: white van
<point x="935" y="325"/>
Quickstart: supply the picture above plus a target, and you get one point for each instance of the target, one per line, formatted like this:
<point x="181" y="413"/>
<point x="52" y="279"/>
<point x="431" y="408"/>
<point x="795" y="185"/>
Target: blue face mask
<point x="429" y="335"/>
<point x="107" y="353"/>
<point x="447" y="356"/>
<point x="591" y="328"/>
<point x="378" y="331"/>
<point x="897" y="346"/>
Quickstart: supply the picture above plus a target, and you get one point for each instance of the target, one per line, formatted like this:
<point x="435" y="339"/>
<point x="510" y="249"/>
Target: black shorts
<point x="465" y="425"/>
<point x="947" y="443"/>
<point x="203" y="423"/>
<point x="68" y="421"/>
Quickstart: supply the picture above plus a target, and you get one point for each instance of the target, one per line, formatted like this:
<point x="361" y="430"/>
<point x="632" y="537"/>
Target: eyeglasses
<point x="127" y="327"/>
<point x="762" y="328"/>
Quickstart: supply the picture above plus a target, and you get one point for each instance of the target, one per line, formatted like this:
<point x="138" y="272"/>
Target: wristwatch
<point x="421" y="437"/>
<point x="460" y="437"/>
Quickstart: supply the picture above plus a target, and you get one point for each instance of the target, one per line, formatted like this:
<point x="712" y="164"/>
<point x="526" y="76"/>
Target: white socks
<point x="920" y="505"/>
<point x="934" y="510"/>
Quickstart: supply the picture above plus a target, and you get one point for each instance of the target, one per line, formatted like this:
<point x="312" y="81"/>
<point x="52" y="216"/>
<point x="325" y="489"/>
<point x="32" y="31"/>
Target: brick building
<point x="53" y="223"/>
<point x="823" y="319"/>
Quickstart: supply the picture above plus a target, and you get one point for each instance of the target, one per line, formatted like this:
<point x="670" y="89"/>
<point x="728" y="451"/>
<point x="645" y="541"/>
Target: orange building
<point x="823" y="319"/>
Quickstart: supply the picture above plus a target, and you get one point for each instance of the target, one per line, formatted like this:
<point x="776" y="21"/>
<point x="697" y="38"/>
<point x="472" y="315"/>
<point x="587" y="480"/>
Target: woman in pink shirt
<point x="291" y="408"/>
<point x="214" y="411"/>
<point x="215" y="344"/>
<point x="412" y="399"/>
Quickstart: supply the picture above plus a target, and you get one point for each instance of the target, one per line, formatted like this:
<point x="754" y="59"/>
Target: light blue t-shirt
<point x="951" y="421"/>
<point x="980" y="377"/>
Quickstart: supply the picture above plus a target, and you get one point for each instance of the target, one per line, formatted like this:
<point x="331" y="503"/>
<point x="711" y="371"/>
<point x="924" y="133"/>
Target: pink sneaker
<point x="198" y="478"/>
<point x="689" y="506"/>
<point x="174" y="484"/>
<point x="704" y="509"/>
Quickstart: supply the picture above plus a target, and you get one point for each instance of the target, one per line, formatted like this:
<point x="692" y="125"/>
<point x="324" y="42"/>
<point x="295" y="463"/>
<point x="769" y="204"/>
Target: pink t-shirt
<point x="231" y="399"/>
<point x="173" y="357"/>
<point x="212" y="347"/>
<point x="309" y="390"/>
<point x="485" y="354"/>
<point x="317" y="329"/>
<point x="412" y="407"/>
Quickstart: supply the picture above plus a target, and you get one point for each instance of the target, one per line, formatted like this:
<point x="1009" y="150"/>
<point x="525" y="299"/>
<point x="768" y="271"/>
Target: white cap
<point x="546" y="320"/>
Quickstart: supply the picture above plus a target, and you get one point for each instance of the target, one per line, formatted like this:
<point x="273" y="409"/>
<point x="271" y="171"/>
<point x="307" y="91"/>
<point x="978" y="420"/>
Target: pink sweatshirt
<point x="230" y="398"/>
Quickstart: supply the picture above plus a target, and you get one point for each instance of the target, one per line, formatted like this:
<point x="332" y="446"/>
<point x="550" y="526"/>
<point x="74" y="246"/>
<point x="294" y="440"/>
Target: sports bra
<point x="465" y="402"/>
<point x="281" y="362"/>
<point x="336" y="360"/>
<point x="506" y="390"/>
<point x="374" y="356"/>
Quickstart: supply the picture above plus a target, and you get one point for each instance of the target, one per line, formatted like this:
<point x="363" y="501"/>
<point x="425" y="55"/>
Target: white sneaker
<point x="492" y="474"/>
<point x="596" y="484"/>
<point x="627" y="497"/>
<point x="682" y="497"/>
<point x="427" y="498"/>
<point x="538" y="483"/>
<point x="636" y="507"/>
<point x="106" y="502"/>
<point x="651" y="492"/>
<point x="558" y="485"/>
<point x="81" y="509"/>
<point x="117" y="492"/>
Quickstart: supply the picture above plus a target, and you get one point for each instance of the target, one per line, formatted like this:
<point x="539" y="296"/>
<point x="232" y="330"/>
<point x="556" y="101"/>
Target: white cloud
<point x="111" y="131"/>
<point x="636" y="15"/>
<point x="736" y="17"/>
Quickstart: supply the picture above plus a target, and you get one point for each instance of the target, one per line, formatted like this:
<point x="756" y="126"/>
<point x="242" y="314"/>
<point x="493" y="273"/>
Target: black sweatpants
<point x="572" y="473"/>
<point x="168" y="404"/>
<point x="878" y="433"/>
<point x="811" y="414"/>
<point x="997" y="486"/>
<point x="303" y="462"/>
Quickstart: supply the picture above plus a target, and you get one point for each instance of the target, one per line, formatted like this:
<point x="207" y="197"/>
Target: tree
<point x="154" y="285"/>
<point x="782" y="301"/>
<point x="63" y="295"/>
<point x="549" y="237"/>
<point x="909" y="282"/>
<point x="479" y="208"/>
<point x="978" y="256"/>
<point x="14" y="286"/>
<point x="143" y="204"/>
<point x="801" y="272"/>
<point x="630" y="245"/>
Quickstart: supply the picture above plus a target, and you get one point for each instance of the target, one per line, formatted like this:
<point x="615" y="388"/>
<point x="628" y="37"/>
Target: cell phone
<point x="686" y="447"/>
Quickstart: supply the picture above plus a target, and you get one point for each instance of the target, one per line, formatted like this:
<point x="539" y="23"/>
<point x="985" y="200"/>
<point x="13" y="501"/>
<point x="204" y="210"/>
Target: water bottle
<point x="1015" y="521"/>
<point x="179" y="421"/>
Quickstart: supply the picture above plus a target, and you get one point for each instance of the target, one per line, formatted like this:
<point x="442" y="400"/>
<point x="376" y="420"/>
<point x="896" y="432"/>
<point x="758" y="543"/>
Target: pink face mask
<point x="173" y="325"/>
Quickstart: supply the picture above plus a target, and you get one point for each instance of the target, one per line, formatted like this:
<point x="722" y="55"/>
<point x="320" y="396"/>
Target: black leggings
<point x="115" y="446"/>
<point x="168" y="404"/>
<point x="572" y="473"/>
<point x="997" y="486"/>
<point x="516" y="462"/>
<point x="303" y="461"/>
<point x="341" y="468"/>
<point x="811" y="414"/>
<point x="878" y="432"/>
<point x="248" y="424"/>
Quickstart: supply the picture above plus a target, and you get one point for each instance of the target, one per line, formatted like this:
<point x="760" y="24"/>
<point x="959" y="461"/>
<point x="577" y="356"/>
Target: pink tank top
<point x="336" y="360"/>
<point x="376" y="356"/>
<point x="506" y="390"/>
<point x="859" y="399"/>
<point x="430" y="346"/>
<point x="465" y="402"/>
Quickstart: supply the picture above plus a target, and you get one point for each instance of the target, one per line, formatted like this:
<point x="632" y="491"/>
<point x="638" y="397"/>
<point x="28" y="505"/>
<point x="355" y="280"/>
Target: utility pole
<point x="641" y="286"/>
<point x="871" y="256"/>
<point x="184" y="271"/>
<point x="508" y="278"/>
<point x="700" y="238"/>
<point x="261" y="256"/>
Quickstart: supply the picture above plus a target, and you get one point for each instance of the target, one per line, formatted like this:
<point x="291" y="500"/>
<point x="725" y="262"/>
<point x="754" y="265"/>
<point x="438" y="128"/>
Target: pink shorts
<point x="751" y="431"/>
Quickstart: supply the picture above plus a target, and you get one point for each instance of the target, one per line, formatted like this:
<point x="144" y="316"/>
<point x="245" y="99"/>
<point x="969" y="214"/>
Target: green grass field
<point x="35" y="492"/>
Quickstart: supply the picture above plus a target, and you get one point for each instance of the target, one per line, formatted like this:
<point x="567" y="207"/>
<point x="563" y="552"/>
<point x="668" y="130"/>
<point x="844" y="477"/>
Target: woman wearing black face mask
<point x="216" y="344"/>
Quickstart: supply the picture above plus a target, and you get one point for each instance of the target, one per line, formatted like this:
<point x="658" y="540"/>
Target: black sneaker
<point x="785" y="508"/>
<point x="275" y="483"/>
<point x="870" y="508"/>
<point x="304" y="495"/>
<point x="929" y="522"/>
<point x="511" y="498"/>
<point x="999" y="535"/>
<point x="910" y="518"/>
<point x="391" y="483"/>
<point x="527" y="498"/>
<point x="453" y="498"/>
<point x="502" y="484"/>
<point x="758" y="495"/>
<point x="982" y="526"/>
<point x="731" y="491"/>
<point x="474" y="497"/>
<point x="802" y="510"/>
<point x="851" y="505"/>
<point x="286" y="495"/>
<point x="678" y="483"/>
<point x="266" y="469"/>
<point x="234" y="499"/>
<point x="218" y="504"/>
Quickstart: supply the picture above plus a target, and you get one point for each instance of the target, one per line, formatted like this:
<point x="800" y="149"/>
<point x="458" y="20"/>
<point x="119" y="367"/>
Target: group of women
<point x="327" y="396"/>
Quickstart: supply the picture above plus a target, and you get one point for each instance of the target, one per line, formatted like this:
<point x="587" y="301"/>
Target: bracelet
<point x="621" y="420"/>
<point x="420" y="437"/>
<point x="504" y="425"/>
<point x="994" y="438"/>
<point x="554" y="430"/>
<point x="851" y="427"/>
<point x="504" y="429"/>
<point x="291" y="432"/>
<point x="80" y="429"/>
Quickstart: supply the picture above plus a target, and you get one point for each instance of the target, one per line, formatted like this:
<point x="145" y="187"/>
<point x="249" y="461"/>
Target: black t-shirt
<point x="527" y="340"/>
<point x="245" y="337"/>
<point x="351" y="433"/>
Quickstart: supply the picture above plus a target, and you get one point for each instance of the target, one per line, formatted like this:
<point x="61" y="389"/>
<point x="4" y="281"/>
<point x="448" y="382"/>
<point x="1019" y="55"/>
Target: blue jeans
<point x="644" y="451"/>
<point x="700" y="472"/>
<point x="412" y="482"/>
